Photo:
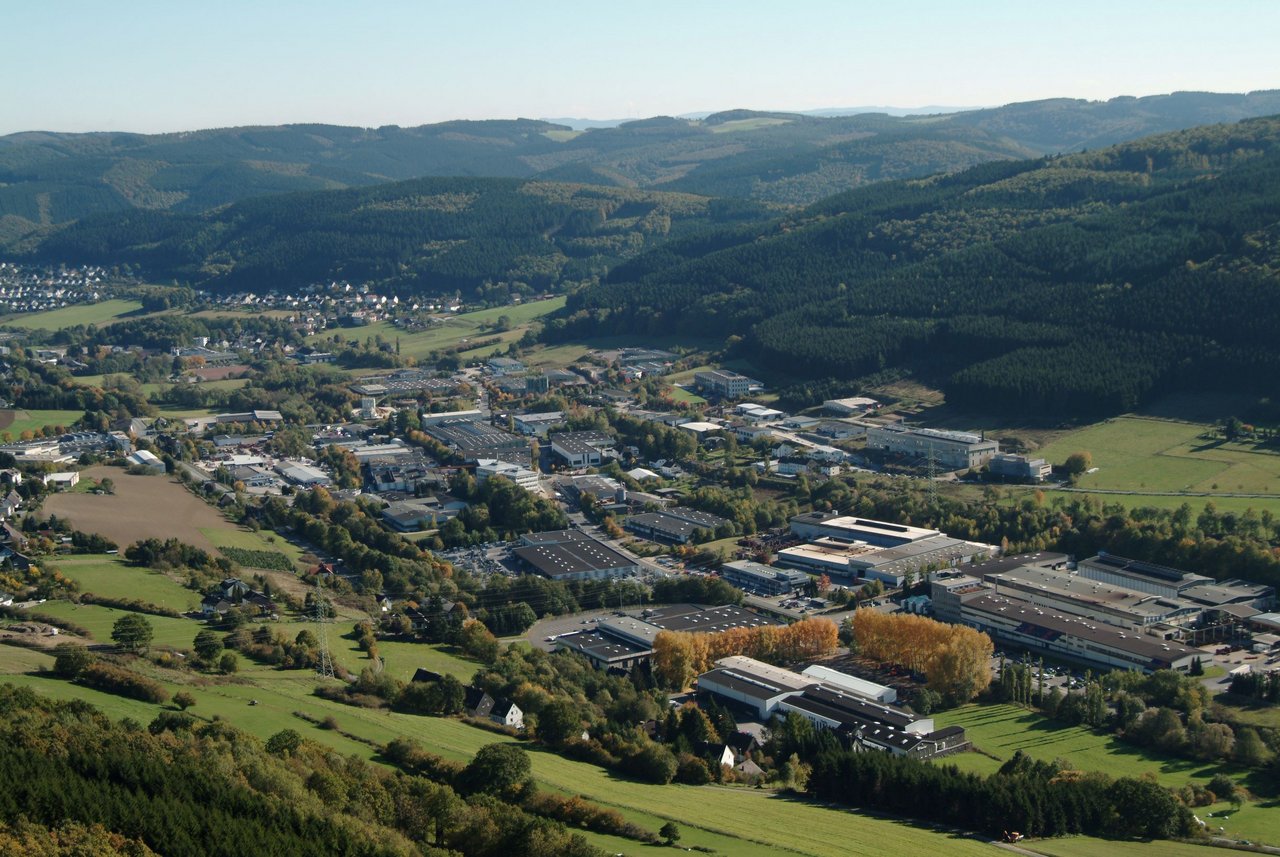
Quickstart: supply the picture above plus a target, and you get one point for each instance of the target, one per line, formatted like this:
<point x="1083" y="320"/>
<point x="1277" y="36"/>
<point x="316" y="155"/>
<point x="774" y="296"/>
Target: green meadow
<point x="1142" y="454"/>
<point x="453" y="331"/>
<point x="99" y="313"/>
<point x="112" y="577"/>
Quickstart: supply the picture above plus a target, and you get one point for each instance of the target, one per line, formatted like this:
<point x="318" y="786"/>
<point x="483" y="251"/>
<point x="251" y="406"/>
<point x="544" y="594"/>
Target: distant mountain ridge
<point x="49" y="178"/>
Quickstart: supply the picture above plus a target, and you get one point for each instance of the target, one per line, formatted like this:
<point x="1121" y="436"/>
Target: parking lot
<point x="557" y="625"/>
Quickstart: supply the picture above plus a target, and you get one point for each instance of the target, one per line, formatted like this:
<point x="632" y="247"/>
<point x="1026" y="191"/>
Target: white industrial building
<point x="952" y="450"/>
<point x="147" y="460"/>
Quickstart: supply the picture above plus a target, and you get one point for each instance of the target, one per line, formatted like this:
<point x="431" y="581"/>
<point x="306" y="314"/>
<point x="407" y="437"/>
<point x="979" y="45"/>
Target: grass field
<point x="16" y="422"/>
<point x="401" y="660"/>
<point x="680" y="394"/>
<point x="112" y="577"/>
<point x="1084" y="846"/>
<point x="99" y="313"/>
<point x="453" y="331"/>
<point x="709" y="817"/>
<point x="1003" y="729"/>
<point x="97" y="620"/>
<point x="1137" y="454"/>
<point x="141" y="507"/>
<point x="1173" y="501"/>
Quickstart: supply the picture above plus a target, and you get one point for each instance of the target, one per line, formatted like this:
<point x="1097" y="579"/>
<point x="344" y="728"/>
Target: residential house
<point x="477" y="703"/>
<point x="233" y="592"/>
<point x="507" y="713"/>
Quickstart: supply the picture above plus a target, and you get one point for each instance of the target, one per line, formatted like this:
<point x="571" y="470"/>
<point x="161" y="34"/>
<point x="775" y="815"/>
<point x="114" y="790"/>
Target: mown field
<point x="113" y="577"/>
<point x="1001" y="730"/>
<point x="99" y="313"/>
<point x="1142" y="454"/>
<point x="231" y="536"/>
<point x="453" y="331"/>
<point x="728" y="820"/>
<point x="14" y="423"/>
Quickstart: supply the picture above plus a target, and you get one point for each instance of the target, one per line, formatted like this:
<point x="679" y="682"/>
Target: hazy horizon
<point x="77" y="66"/>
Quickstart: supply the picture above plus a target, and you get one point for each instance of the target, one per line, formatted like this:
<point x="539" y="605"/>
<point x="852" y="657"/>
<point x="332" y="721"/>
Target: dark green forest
<point x="427" y="235"/>
<point x="52" y="178"/>
<point x="1080" y="285"/>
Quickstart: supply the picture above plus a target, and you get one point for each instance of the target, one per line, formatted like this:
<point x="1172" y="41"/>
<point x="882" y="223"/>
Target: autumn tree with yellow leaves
<point x="678" y="656"/>
<point x="955" y="659"/>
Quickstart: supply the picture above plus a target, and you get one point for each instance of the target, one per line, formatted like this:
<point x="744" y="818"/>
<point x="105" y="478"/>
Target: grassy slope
<point x="112" y="577"/>
<point x="714" y="818"/>
<point x="250" y="540"/>
<point x="35" y="420"/>
<point x="709" y="817"/>
<point x="99" y="313"/>
<point x="1137" y="454"/>
<point x="1003" y="729"/>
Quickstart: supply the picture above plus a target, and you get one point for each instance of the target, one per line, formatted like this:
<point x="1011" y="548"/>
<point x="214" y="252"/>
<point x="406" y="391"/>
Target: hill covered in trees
<point x="48" y="178"/>
<point x="427" y="235"/>
<point x="1080" y="285"/>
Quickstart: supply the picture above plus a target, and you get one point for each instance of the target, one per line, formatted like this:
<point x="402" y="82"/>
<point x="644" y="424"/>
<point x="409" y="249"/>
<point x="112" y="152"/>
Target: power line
<point x="324" y="663"/>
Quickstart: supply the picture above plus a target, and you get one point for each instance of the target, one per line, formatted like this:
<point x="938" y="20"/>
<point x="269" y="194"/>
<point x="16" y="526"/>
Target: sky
<point x="138" y="65"/>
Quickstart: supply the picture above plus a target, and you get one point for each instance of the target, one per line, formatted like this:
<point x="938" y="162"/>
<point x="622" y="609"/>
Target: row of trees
<point x="679" y="656"/>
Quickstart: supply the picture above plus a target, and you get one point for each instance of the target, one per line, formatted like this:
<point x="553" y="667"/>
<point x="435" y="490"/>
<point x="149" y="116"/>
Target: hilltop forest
<point x="1079" y="285"/>
<point x="431" y="236"/>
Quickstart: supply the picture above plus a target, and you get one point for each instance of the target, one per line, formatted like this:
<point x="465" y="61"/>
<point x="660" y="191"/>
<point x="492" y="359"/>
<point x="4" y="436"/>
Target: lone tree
<point x="208" y="646"/>
<point x="183" y="700"/>
<point x="500" y="769"/>
<point x="1078" y="463"/>
<point x="132" y="633"/>
<point x="670" y="833"/>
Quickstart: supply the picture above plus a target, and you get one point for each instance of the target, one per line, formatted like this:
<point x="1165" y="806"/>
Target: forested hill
<point x="51" y="178"/>
<point x="1079" y="285"/>
<point x="433" y="236"/>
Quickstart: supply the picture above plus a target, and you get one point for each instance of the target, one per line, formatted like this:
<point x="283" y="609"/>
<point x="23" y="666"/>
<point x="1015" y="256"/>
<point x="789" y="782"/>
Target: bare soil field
<point x="142" y="507"/>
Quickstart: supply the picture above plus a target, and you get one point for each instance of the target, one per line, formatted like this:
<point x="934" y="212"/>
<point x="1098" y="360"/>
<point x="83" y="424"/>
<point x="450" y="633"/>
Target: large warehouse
<point x="953" y="450"/>
<point x="860" y="710"/>
<point x="571" y="555"/>
<point x="1044" y="629"/>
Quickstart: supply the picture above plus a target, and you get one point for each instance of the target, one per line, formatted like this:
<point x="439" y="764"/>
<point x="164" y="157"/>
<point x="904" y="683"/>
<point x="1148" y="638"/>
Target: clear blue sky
<point x="185" y="64"/>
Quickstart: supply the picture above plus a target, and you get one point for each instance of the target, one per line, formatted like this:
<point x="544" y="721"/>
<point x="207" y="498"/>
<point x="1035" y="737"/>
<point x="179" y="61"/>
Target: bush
<point x="122" y="682"/>
<point x="653" y="763"/>
<point x="133" y="605"/>
<point x="70" y="660"/>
